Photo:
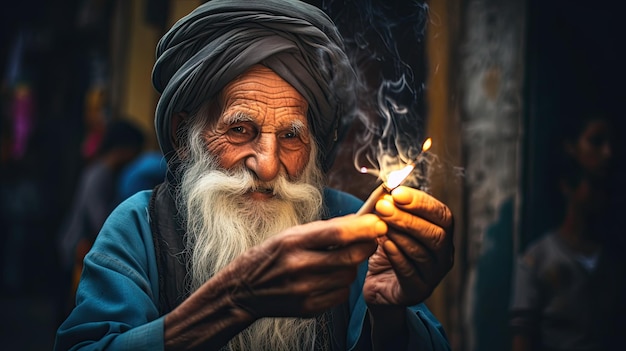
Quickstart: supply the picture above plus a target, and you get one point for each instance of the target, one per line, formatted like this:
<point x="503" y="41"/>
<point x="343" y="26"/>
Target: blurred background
<point x="491" y="81"/>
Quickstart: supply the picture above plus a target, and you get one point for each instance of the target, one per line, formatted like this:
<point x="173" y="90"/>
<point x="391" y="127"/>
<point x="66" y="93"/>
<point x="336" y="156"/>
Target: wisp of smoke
<point x="383" y="40"/>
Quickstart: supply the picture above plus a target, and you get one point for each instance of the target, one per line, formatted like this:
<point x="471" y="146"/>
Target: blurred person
<point x="143" y="173"/>
<point x="569" y="289"/>
<point x="95" y="195"/>
<point x="243" y="247"/>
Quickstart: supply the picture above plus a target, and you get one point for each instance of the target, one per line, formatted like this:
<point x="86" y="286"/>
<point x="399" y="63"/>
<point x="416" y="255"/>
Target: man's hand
<point x="300" y="272"/>
<point x="305" y="270"/>
<point x="416" y="253"/>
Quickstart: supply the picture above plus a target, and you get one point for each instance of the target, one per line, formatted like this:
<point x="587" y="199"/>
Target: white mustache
<point x="242" y="181"/>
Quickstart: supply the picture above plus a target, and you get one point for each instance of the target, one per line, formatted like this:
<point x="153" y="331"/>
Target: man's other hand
<point x="416" y="253"/>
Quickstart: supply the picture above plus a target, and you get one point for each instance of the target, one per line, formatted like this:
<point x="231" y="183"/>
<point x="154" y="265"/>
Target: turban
<point x="221" y="39"/>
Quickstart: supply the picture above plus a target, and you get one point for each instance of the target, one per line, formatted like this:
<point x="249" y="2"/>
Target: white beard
<point x="222" y="223"/>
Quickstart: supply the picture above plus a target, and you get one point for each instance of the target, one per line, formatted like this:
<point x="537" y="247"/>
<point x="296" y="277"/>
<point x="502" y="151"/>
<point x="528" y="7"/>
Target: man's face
<point x="262" y="126"/>
<point x="593" y="149"/>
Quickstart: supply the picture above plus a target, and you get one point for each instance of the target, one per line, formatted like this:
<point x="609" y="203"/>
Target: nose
<point x="265" y="161"/>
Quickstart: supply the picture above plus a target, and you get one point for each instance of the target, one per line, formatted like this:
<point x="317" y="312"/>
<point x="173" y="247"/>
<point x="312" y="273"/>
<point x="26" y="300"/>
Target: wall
<point x="134" y="39"/>
<point x="475" y="92"/>
<point x="444" y="126"/>
<point x="491" y="70"/>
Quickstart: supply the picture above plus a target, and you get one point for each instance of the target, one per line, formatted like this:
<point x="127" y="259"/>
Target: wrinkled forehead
<point x="263" y="89"/>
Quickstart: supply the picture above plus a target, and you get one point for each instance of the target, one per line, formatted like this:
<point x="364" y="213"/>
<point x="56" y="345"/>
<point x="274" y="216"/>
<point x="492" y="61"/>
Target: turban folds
<point x="221" y="39"/>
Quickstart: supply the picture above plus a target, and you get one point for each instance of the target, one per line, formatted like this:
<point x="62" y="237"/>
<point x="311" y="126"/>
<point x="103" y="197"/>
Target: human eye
<point x="238" y="130"/>
<point x="290" y="135"/>
<point x="240" y="133"/>
<point x="293" y="139"/>
<point x="293" y="132"/>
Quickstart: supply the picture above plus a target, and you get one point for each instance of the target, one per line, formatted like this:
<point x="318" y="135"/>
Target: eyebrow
<point x="298" y="126"/>
<point x="238" y="117"/>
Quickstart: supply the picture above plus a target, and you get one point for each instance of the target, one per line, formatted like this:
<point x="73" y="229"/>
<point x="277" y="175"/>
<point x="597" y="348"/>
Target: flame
<point x="427" y="144"/>
<point x="395" y="178"/>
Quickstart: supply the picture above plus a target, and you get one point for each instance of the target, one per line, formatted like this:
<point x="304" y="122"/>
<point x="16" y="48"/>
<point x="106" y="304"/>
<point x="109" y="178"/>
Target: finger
<point x="289" y="304"/>
<point x="322" y="302"/>
<point x="328" y="260"/>
<point x="340" y="231"/>
<point x="316" y="284"/>
<point x="431" y="265"/>
<point x="357" y="228"/>
<point x="410" y="277"/>
<point x="411" y="249"/>
<point x="353" y="253"/>
<point x="432" y="236"/>
<point x="306" y="294"/>
<point x="399" y="262"/>
<point x="289" y="290"/>
<point x="423" y="205"/>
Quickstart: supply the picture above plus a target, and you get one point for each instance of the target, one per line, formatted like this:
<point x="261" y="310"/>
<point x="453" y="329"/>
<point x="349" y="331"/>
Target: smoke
<point x="385" y="40"/>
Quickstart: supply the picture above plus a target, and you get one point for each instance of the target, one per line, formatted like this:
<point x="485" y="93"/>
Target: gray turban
<point x="221" y="39"/>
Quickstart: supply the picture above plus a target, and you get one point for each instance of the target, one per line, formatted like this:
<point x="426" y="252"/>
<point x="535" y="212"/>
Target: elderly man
<point x="243" y="247"/>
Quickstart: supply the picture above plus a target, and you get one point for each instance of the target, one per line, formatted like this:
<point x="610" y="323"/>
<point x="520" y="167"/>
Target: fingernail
<point x="384" y="208"/>
<point x="401" y="196"/>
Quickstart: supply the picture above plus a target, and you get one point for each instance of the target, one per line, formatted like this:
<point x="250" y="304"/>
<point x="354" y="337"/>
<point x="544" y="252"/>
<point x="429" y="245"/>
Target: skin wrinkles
<point x="229" y="121"/>
<point x="413" y="245"/>
<point x="294" y="259"/>
<point x="263" y="125"/>
<point x="430" y="235"/>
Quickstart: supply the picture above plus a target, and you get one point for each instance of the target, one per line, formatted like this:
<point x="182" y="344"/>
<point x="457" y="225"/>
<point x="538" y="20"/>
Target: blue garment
<point x="117" y="299"/>
<point x="144" y="173"/>
<point x="93" y="203"/>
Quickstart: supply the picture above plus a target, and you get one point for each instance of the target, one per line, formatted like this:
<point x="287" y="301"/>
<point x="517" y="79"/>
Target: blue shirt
<point x="117" y="298"/>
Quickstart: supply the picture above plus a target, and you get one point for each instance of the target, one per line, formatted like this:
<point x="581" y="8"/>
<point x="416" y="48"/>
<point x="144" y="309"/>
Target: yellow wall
<point x="139" y="98"/>
<point x="443" y="125"/>
<point x="179" y="8"/>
